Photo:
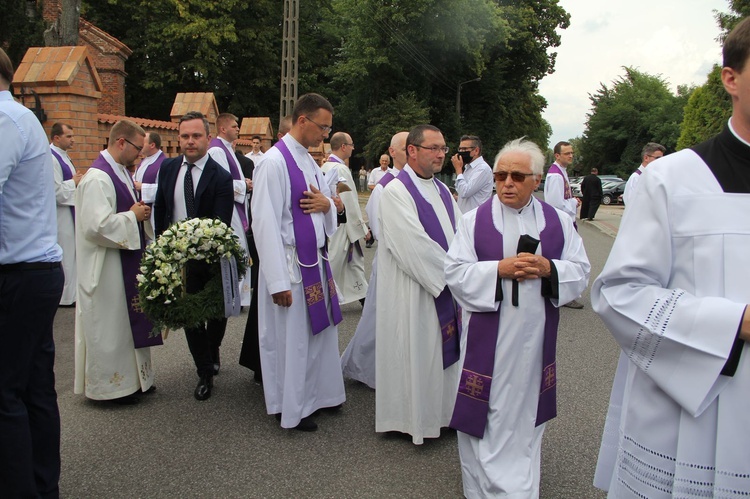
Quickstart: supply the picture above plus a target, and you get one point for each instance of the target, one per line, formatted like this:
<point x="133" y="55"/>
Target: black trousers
<point x="203" y="341"/>
<point x="250" y="352"/>
<point x="29" y="416"/>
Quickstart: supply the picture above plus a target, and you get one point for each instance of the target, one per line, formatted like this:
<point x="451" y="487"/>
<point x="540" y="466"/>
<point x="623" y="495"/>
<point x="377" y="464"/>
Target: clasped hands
<point x="524" y="266"/>
<point x="142" y="211"/>
<point x="317" y="202"/>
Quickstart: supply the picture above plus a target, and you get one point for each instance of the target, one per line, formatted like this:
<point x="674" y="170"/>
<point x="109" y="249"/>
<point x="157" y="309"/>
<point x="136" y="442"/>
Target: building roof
<point x="205" y="102"/>
<point x="55" y="66"/>
<point x="260" y="125"/>
<point x="144" y="122"/>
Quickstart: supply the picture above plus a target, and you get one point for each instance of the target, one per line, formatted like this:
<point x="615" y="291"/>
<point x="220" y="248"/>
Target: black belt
<point x="15" y="267"/>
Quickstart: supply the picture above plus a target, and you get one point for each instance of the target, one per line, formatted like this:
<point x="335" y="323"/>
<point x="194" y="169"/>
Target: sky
<point x="675" y="39"/>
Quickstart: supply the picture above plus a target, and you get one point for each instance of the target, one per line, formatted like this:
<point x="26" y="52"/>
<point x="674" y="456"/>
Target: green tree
<point x="706" y="112"/>
<point x="637" y="108"/>
<point x="21" y="27"/>
<point x="740" y="9"/>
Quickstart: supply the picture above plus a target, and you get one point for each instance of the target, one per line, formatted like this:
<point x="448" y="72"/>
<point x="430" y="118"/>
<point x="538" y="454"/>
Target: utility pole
<point x="289" y="55"/>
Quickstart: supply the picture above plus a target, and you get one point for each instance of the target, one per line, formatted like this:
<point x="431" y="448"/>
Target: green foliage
<point x="740" y="10"/>
<point x="400" y="113"/>
<point x="637" y="108"/>
<point x="21" y="27"/>
<point x="706" y="112"/>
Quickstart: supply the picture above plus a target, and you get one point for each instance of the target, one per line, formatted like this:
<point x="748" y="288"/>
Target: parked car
<point x="575" y="187"/>
<point x="612" y="191"/>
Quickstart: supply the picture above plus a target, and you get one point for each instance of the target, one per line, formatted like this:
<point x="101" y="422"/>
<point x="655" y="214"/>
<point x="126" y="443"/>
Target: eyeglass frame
<point x="434" y="149"/>
<point x="514" y="175"/>
<point x="326" y="129"/>
<point x="126" y="140"/>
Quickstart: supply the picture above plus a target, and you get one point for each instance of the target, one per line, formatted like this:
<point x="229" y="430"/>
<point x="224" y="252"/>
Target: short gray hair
<point x="526" y="147"/>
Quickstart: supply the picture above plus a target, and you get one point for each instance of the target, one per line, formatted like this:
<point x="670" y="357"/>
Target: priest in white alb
<point x="345" y="246"/>
<point x="513" y="262"/>
<point x="112" y="335"/>
<point x="417" y="322"/>
<point x="66" y="181"/>
<point x="358" y="359"/>
<point x="674" y="293"/>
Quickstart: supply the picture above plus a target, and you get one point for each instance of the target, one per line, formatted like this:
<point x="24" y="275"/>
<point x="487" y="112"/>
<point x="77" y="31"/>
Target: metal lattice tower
<point x="289" y="54"/>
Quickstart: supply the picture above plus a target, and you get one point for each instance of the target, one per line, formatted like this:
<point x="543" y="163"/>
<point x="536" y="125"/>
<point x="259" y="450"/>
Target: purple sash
<point x="152" y="170"/>
<point x="307" y="251"/>
<point x="472" y="402"/>
<point x="66" y="176"/>
<point x="638" y="171"/>
<point x="449" y="315"/>
<point x="556" y="170"/>
<point x="235" y="171"/>
<point x="386" y="179"/>
<point x="334" y="159"/>
<point x="140" y="326"/>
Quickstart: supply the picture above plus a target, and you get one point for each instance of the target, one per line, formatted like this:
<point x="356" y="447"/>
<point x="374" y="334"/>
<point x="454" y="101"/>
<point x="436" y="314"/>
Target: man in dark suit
<point x="250" y="352"/>
<point x="194" y="185"/>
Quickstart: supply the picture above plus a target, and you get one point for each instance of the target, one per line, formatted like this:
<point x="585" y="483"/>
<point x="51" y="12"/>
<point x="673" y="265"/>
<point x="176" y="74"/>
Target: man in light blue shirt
<point x="31" y="283"/>
<point x="473" y="174"/>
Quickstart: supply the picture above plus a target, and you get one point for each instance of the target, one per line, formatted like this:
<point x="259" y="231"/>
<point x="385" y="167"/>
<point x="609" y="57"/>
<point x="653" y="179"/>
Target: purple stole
<point x="449" y="315"/>
<point x="66" y="176"/>
<point x="472" y="402"/>
<point x="556" y="169"/>
<point x="140" y="326"/>
<point x="235" y="171"/>
<point x="307" y="251"/>
<point x="386" y="179"/>
<point x="638" y="171"/>
<point x="152" y="170"/>
<point x="334" y="159"/>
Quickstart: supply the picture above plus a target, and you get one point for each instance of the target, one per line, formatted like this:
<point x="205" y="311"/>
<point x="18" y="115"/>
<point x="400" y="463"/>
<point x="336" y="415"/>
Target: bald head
<point x="397" y="150"/>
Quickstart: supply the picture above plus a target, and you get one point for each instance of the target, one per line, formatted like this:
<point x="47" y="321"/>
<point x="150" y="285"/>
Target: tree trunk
<point x="71" y="12"/>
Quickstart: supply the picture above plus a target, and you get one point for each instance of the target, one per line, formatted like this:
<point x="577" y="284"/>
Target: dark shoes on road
<point x="203" y="390"/>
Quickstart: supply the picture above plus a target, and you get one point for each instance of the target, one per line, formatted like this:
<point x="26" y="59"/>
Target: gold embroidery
<point x="135" y="304"/>
<point x="331" y="287"/>
<point x="116" y="379"/>
<point x="474" y="385"/>
<point x="314" y="293"/>
<point x="449" y="330"/>
<point x="549" y="376"/>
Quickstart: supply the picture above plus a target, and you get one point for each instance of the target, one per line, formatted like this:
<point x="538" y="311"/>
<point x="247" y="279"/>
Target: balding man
<point x="345" y="247"/>
<point x="513" y="262"/>
<point x="358" y="360"/>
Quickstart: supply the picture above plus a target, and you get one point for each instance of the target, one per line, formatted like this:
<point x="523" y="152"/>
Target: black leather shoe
<point x="203" y="390"/>
<point x="306" y="424"/>
<point x="131" y="399"/>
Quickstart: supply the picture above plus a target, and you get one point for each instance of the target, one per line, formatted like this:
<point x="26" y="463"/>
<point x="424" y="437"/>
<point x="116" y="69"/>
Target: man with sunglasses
<point x="473" y="174"/>
<point x="417" y="323"/>
<point x="513" y="262"/>
<point x="113" y="337"/>
<point x="298" y="309"/>
<point x="651" y="151"/>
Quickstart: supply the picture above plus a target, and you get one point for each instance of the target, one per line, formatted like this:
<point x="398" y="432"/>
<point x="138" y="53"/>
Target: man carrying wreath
<point x="194" y="185"/>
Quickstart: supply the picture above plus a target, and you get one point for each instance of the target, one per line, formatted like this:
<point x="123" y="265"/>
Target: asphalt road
<point x="171" y="445"/>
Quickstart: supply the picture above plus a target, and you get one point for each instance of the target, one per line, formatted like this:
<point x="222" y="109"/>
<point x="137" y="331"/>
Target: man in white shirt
<point x="473" y="174"/>
<point x="377" y="173"/>
<point x="651" y="151"/>
<point x="557" y="190"/>
<point x="66" y="181"/>
<point x="257" y="152"/>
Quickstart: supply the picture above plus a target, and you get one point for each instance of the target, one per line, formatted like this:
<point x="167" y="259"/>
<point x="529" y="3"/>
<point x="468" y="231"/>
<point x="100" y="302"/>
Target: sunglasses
<point x="515" y="176"/>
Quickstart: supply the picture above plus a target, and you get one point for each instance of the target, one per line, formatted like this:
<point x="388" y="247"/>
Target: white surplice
<point x="65" y="191"/>
<point x="358" y="359"/>
<point x="631" y="187"/>
<point x="348" y="272"/>
<point x="672" y="294"/>
<point x="240" y="196"/>
<point x="415" y="395"/>
<point x="506" y="462"/>
<point x="107" y="365"/>
<point x="301" y="372"/>
<point x="148" y="191"/>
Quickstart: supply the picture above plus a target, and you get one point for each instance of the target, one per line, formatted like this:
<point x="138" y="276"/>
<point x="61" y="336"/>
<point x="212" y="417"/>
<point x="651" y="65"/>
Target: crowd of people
<point x="460" y="316"/>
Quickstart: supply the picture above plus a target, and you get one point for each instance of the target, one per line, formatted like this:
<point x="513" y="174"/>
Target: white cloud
<point x="672" y="38"/>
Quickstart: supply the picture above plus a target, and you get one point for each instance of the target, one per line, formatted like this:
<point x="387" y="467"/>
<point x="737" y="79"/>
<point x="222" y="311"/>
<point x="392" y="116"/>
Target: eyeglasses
<point x="466" y="149"/>
<point x="654" y="157"/>
<point x="515" y="176"/>
<point x="326" y="129"/>
<point x="126" y="140"/>
<point x="434" y="149"/>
